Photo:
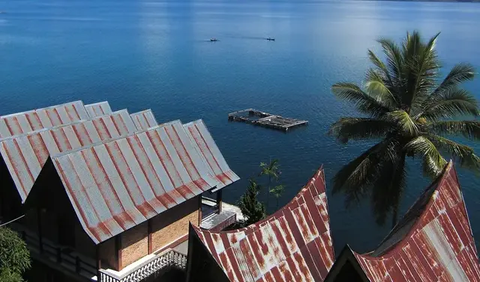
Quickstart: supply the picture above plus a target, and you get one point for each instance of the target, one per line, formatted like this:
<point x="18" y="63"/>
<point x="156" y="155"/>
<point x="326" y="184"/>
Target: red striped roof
<point x="119" y="184"/>
<point x="25" y="122"/>
<point x="144" y="119"/>
<point x="208" y="150"/>
<point x="434" y="241"/>
<point x="26" y="154"/>
<point x="293" y="244"/>
<point x="98" y="109"/>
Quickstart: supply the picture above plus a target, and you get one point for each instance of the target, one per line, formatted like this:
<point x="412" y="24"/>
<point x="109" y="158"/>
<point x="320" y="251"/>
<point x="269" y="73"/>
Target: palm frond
<point x="469" y="129"/>
<point x="449" y="104"/>
<point x="463" y="154"/>
<point x="422" y="69"/>
<point x="388" y="190"/>
<point x="433" y="162"/>
<point x="404" y="122"/>
<point x="360" y="128"/>
<point x="363" y="101"/>
<point x="395" y="63"/>
<point x="354" y="178"/>
<point x="458" y="74"/>
<point x="379" y="87"/>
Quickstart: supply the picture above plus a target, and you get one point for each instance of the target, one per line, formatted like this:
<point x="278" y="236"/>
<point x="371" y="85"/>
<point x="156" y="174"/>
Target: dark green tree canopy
<point x="14" y="256"/>
<point x="251" y="208"/>
<point x="411" y="110"/>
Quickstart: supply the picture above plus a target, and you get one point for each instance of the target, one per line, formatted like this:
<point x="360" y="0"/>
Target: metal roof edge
<point x="96" y="103"/>
<point x="194" y="122"/>
<point x="44" y="108"/>
<point x="142" y="111"/>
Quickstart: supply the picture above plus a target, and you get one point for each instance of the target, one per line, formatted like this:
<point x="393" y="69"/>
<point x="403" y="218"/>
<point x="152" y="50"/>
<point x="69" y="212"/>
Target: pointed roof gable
<point x="433" y="241"/>
<point x="293" y="244"/>
<point x="119" y="184"/>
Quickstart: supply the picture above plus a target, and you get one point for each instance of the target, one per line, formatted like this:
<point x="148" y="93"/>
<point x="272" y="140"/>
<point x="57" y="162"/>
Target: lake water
<point x="147" y="54"/>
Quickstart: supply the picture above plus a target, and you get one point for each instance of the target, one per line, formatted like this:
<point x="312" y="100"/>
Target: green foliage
<point x="14" y="256"/>
<point x="251" y="208"/>
<point x="277" y="192"/>
<point x="272" y="171"/>
<point x="7" y="275"/>
<point x="404" y="107"/>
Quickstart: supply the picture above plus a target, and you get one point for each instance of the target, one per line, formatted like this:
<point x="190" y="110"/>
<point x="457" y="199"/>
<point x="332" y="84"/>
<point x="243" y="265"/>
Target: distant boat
<point x="270" y="39"/>
<point x="213" y="40"/>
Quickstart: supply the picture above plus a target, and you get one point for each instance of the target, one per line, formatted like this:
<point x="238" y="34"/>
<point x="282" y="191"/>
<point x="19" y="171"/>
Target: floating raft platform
<point x="264" y="119"/>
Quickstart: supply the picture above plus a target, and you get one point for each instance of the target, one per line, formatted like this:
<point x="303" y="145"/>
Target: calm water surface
<point x="148" y="54"/>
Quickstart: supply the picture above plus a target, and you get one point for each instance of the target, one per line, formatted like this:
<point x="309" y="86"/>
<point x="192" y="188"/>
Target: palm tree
<point x="272" y="171"/>
<point x="277" y="192"/>
<point x="411" y="112"/>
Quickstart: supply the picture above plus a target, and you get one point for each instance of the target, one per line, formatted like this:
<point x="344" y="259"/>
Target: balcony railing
<point x="156" y="264"/>
<point x="58" y="254"/>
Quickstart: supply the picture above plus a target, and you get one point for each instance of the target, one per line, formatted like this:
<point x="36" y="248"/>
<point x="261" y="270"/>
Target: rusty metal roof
<point x="24" y="122"/>
<point x="144" y="119"/>
<point x="208" y="150"/>
<point x="434" y="241"/>
<point x="98" y="109"/>
<point x="119" y="184"/>
<point x="293" y="244"/>
<point x="26" y="154"/>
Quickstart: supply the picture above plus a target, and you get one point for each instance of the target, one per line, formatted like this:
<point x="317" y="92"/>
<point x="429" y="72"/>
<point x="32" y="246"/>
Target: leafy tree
<point x="251" y="208"/>
<point x="411" y="112"/>
<point x="14" y="256"/>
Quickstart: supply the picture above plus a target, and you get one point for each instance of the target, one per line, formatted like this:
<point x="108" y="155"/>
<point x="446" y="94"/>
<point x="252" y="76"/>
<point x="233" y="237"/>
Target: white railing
<point x="169" y="258"/>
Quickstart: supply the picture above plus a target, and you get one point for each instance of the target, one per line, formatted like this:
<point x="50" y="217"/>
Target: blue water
<point x="147" y="54"/>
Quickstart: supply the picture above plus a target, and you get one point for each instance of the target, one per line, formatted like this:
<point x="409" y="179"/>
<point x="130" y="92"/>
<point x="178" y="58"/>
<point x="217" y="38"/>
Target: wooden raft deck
<point x="264" y="119"/>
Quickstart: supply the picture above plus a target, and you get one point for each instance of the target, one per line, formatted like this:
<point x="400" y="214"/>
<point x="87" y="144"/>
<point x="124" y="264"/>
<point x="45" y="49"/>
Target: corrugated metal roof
<point x="24" y="122"/>
<point x="293" y="244"/>
<point x="98" y="109"/>
<point x="144" y="119"/>
<point x="26" y="154"/>
<point x="208" y="150"/>
<point x="439" y="246"/>
<point x="119" y="184"/>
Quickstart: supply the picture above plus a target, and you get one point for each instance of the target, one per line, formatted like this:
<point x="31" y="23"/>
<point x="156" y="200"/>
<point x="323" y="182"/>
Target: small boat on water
<point x="270" y="39"/>
<point x="213" y="40"/>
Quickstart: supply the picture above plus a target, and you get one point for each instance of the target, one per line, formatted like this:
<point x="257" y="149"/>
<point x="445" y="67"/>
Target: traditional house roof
<point x="144" y="119"/>
<point x="25" y="155"/>
<point x="98" y="109"/>
<point x="119" y="184"/>
<point x="24" y="122"/>
<point x="293" y="244"/>
<point x="433" y="241"/>
<point x="208" y="150"/>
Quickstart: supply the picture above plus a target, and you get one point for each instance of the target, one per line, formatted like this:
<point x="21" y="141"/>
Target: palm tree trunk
<point x="268" y="191"/>
<point x="398" y="179"/>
